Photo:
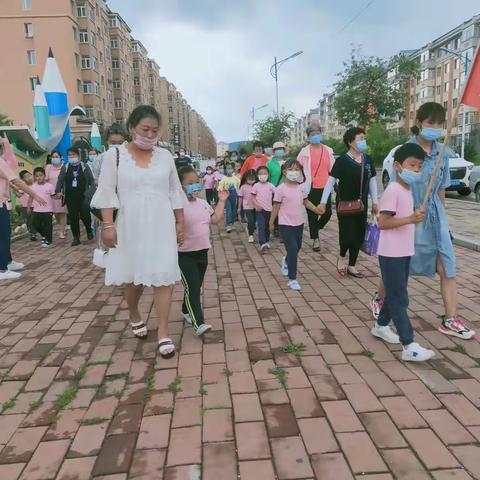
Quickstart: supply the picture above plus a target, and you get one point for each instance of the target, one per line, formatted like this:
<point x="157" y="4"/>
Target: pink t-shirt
<point x="218" y="176"/>
<point x="264" y="195"/>
<point x="397" y="242"/>
<point x="24" y="199"/>
<point x="245" y="193"/>
<point x="209" y="181"/>
<point x="45" y="191"/>
<point x="6" y="176"/>
<point x="197" y="218"/>
<point x="291" y="198"/>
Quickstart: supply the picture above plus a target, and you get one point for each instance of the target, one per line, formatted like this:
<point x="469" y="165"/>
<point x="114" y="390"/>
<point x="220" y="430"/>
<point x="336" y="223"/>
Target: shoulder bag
<point x="352" y="207"/>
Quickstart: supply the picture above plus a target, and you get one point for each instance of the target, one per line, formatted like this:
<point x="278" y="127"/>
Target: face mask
<point x="279" y="153"/>
<point x="293" y="175"/>
<point x="221" y="170"/>
<point x="182" y="154"/>
<point x="263" y="178"/>
<point x="361" y="145"/>
<point x="410" y="177"/>
<point x="193" y="190"/>
<point x="110" y="145"/>
<point x="315" y="139"/>
<point x="431" y="134"/>
<point x="229" y="171"/>
<point x="144" y="143"/>
<point x="56" y="161"/>
<point x="233" y="158"/>
<point x="74" y="160"/>
<point x="250" y="182"/>
<point x="92" y="158"/>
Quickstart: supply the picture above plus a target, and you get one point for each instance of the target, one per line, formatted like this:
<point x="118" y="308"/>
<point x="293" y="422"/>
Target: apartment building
<point x="104" y="68"/>
<point x="442" y="75"/>
<point x="298" y="132"/>
<point x="328" y="119"/>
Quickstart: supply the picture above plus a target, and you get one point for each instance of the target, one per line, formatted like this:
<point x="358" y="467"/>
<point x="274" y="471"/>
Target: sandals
<point x="342" y="271"/>
<point x="164" y="345"/>
<point x="355" y="273"/>
<point x="139" y="329"/>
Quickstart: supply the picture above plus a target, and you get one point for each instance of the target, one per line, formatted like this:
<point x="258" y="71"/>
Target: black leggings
<point x="43" y="224"/>
<point x="351" y="232"/>
<point x="210" y="193"/>
<point x="251" y="220"/>
<point x="316" y="223"/>
<point x="193" y="266"/>
<point x="78" y="210"/>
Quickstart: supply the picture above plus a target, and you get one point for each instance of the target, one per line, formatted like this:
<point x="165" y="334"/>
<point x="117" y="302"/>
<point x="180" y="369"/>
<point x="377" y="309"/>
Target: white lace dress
<point x="146" y="252"/>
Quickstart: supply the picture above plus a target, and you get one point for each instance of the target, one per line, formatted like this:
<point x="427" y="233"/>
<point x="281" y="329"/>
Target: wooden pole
<point x="441" y="155"/>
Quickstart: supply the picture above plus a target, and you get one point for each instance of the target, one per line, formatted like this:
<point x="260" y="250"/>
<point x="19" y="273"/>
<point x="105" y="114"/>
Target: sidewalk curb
<point x="466" y="243"/>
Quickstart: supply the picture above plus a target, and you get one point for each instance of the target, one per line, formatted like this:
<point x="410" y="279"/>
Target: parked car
<point x="459" y="173"/>
<point x="474" y="182"/>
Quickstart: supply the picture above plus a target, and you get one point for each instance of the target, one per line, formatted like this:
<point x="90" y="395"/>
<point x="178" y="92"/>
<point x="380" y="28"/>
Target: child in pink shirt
<point x="288" y="203"/>
<point x="262" y="194"/>
<point x="395" y="249"/>
<point x="193" y="252"/>
<point x="209" y="184"/>
<point x="22" y="206"/>
<point x="246" y="202"/>
<point x="42" y="214"/>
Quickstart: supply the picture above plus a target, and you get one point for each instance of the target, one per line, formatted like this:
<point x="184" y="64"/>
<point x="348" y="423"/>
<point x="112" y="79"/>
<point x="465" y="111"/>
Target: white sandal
<point x="164" y="345"/>
<point x="139" y="329"/>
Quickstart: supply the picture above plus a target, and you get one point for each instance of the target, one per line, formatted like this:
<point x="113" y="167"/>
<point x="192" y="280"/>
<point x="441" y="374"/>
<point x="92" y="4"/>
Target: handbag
<point x="352" y="207"/>
<point x="372" y="237"/>
<point x="97" y="212"/>
<point x="100" y="257"/>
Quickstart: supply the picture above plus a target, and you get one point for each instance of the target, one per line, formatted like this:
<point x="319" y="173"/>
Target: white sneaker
<point x="62" y="236"/>
<point x="284" y="267"/>
<point x="251" y="239"/>
<point x="229" y="229"/>
<point x="9" y="275"/>
<point x="13" y="266"/>
<point x="385" y="333"/>
<point x="187" y="318"/>
<point x="264" y="247"/>
<point x="416" y="353"/>
<point x="294" y="285"/>
<point x="202" y="329"/>
<point x="267" y="245"/>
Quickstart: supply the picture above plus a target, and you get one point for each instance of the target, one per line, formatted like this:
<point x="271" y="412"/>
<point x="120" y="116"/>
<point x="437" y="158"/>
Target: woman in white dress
<point x="140" y="181"/>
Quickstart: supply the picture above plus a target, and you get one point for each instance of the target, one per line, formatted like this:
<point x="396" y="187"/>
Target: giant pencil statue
<point x="56" y="134"/>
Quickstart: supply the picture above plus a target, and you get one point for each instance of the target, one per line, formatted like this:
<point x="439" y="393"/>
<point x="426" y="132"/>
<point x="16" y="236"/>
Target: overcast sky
<point x="218" y="52"/>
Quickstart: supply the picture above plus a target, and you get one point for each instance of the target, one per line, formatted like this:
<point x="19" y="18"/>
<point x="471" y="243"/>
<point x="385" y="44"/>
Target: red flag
<point x="471" y="93"/>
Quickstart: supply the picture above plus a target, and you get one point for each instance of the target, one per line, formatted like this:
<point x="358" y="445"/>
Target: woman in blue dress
<point x="433" y="245"/>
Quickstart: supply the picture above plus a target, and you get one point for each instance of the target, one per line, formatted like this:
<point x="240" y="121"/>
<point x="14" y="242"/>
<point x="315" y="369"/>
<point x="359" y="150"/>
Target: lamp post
<point x="274" y="72"/>
<point x="252" y="113"/>
<point x="465" y="60"/>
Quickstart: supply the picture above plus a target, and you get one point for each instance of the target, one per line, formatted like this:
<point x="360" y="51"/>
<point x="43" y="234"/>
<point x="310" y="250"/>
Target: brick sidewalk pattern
<point x="288" y="385"/>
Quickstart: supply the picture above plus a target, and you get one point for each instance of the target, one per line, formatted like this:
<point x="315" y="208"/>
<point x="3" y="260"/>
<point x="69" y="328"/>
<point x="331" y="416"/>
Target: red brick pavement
<point x="83" y="399"/>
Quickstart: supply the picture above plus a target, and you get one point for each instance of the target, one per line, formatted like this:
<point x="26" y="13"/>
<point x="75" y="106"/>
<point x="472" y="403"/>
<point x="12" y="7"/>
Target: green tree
<point x="274" y="128"/>
<point x="471" y="153"/>
<point x="336" y="145"/>
<point x="381" y="141"/>
<point x="370" y="89"/>
<point x="4" y="120"/>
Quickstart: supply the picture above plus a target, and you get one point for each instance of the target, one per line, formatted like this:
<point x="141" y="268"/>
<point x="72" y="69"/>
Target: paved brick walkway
<point x="464" y="220"/>
<point x="289" y="385"/>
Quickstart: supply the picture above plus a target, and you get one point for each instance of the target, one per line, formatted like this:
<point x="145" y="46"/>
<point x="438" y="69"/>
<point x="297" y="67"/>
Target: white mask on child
<point x="263" y="178"/>
<point x="293" y="175"/>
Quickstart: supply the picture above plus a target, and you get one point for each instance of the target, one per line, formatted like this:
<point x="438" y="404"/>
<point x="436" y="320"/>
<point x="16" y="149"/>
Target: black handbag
<point x="97" y="212"/>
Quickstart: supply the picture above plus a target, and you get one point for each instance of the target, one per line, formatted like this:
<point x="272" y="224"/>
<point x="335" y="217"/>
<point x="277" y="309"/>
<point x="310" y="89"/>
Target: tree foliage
<point x="274" y="128"/>
<point x="381" y="141"/>
<point x="336" y="145"/>
<point x="471" y="153"/>
<point x="370" y="89"/>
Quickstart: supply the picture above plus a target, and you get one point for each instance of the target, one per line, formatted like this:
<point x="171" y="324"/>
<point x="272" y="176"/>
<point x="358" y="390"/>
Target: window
<point x="115" y="63"/>
<point x="87" y="87"/>
<point x="117" y="83"/>
<point x="445" y="87"/>
<point x="118" y="103"/>
<point x="81" y="11"/>
<point x="170" y="109"/>
<point x="101" y="57"/>
<point x="32" y="58"/>
<point x="83" y="36"/>
<point x="136" y="64"/>
<point x="102" y="80"/>
<point x="96" y="88"/>
<point x="27" y="4"/>
<point x="94" y="39"/>
<point x="457" y="63"/>
<point x="468" y="32"/>
<point x="76" y="60"/>
<point x="28" y="30"/>
<point x="138" y="99"/>
<point x="86" y="62"/>
<point x="445" y="105"/>
<point x="89" y="111"/>
<point x="33" y="82"/>
<point x="136" y="81"/>
<point x="446" y="68"/>
<point x="113" y="21"/>
<point x="79" y="85"/>
<point x="456" y="43"/>
<point x="115" y="42"/>
<point x="95" y="63"/>
<point x="456" y="83"/>
<point x="455" y="102"/>
<point x="439" y="90"/>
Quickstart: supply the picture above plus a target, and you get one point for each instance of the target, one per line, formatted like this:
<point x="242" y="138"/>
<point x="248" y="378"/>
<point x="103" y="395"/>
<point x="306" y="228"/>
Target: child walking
<point x="231" y="184"/>
<point x="395" y="250"/>
<point x="246" y="202"/>
<point x="288" y="203"/>
<point x="22" y="209"/>
<point x="193" y="253"/>
<point x="42" y="214"/>
<point x="209" y="184"/>
<point x="262" y="194"/>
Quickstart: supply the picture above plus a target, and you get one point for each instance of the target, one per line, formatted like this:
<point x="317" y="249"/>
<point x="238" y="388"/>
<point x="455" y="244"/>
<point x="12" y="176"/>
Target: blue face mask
<point x="315" y="139"/>
<point x="229" y="171"/>
<point x="279" y="153"/>
<point x="193" y="190"/>
<point x="431" y="134"/>
<point x="410" y="177"/>
<point x="56" y="161"/>
<point x="361" y="145"/>
<point x="221" y="170"/>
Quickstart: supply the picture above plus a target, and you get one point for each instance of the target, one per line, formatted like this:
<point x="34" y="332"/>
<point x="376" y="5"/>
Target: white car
<point x="474" y="182"/>
<point x="459" y="173"/>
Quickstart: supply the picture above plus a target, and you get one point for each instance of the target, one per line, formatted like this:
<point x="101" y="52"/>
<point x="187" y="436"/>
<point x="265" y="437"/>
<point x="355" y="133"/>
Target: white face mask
<point x="74" y="160"/>
<point x="263" y="178"/>
<point x="293" y="175"/>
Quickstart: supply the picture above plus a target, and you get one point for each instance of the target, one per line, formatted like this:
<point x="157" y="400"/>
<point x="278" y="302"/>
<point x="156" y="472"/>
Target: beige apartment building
<point x="104" y="69"/>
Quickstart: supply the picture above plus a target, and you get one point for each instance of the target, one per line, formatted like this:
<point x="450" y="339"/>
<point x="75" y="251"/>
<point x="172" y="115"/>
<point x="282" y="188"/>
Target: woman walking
<point x="145" y="190"/>
<point x="317" y="160"/>
<point x="52" y="171"/>
<point x="355" y="173"/>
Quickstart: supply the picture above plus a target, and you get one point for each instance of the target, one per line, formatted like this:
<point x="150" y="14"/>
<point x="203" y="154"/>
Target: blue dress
<point x="432" y="237"/>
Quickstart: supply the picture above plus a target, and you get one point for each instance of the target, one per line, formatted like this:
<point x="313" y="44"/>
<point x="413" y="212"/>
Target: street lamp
<point x="255" y="109"/>
<point x="465" y="60"/>
<point x="274" y="71"/>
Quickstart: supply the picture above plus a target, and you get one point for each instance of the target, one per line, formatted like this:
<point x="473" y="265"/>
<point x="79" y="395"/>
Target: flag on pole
<point x="471" y="92"/>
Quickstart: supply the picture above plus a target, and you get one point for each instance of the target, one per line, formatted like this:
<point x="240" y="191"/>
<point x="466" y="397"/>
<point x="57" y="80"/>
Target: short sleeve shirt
<point x="263" y="193"/>
<point x="245" y="193"/>
<point x="291" y="199"/>
<point x="197" y="218"/>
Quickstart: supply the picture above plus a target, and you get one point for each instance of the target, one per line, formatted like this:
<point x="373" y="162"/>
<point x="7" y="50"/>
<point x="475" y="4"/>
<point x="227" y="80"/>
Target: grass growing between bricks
<point x="295" y="349"/>
<point x="150" y="386"/>
<point x="94" y="420"/>
<point x="281" y="374"/>
<point x="175" y="387"/>
<point x="7" y="405"/>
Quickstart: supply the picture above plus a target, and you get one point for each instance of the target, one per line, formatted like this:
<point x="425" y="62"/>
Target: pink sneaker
<point x="456" y="328"/>
<point x="376" y="304"/>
